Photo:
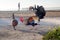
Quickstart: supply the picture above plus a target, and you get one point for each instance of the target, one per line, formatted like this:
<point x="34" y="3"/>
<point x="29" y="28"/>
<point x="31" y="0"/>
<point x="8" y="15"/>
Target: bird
<point x="21" y="19"/>
<point x="33" y="20"/>
<point x="14" y="22"/>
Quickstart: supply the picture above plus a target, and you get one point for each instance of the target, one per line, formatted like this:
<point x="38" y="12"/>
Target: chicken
<point x="32" y="21"/>
<point x="14" y="22"/>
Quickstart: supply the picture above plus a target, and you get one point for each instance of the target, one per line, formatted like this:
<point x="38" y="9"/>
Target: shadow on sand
<point x="33" y="31"/>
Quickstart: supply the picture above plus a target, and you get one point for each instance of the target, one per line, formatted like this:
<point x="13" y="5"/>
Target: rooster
<point x="33" y="21"/>
<point x="14" y="22"/>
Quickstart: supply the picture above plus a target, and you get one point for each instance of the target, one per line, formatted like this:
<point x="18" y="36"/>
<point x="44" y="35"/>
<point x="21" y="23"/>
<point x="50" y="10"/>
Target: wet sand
<point x="24" y="32"/>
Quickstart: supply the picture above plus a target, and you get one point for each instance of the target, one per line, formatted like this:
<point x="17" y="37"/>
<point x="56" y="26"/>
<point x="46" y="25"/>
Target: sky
<point x="13" y="4"/>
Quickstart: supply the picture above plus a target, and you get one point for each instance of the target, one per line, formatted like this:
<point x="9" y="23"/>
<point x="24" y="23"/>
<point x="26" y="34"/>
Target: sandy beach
<point x="24" y="32"/>
<point x="4" y="14"/>
<point x="19" y="34"/>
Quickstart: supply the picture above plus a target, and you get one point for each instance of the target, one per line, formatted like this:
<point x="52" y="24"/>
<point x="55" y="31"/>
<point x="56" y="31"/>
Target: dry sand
<point x="23" y="32"/>
<point x="28" y="13"/>
<point x="10" y="34"/>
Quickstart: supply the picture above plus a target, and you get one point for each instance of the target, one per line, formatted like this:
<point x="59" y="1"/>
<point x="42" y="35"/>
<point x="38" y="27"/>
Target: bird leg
<point x="39" y="20"/>
<point x="14" y="28"/>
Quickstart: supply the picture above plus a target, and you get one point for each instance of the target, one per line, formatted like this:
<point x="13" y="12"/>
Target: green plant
<point x="53" y="34"/>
